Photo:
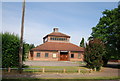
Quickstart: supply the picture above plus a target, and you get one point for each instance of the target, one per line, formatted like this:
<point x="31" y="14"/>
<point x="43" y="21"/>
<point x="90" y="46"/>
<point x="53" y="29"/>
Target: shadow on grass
<point x="84" y="66"/>
<point x="117" y="66"/>
<point x="58" y="80"/>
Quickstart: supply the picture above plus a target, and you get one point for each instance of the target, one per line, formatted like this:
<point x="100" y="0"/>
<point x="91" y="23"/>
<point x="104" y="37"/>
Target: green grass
<point x="57" y="69"/>
<point x="62" y="79"/>
<point x="54" y="69"/>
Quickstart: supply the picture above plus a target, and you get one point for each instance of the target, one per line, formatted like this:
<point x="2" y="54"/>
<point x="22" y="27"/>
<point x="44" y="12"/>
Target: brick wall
<point x="42" y="56"/>
<point x="51" y="58"/>
<point x="76" y="56"/>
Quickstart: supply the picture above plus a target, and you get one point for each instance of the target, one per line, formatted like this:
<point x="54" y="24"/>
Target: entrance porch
<point x="64" y="56"/>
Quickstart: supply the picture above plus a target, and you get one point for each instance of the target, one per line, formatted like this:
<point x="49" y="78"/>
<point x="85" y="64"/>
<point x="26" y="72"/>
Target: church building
<point x="57" y="47"/>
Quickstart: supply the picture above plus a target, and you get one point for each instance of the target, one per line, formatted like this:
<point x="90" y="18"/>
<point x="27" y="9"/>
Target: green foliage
<point x="108" y="30"/>
<point x="82" y="43"/>
<point x="26" y="48"/>
<point x="31" y="46"/>
<point x="94" y="52"/>
<point x="10" y="50"/>
<point x="0" y="50"/>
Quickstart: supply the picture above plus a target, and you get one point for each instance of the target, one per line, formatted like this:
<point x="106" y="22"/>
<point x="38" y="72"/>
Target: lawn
<point x="58" y="69"/>
<point x="53" y="69"/>
<point x="65" y="79"/>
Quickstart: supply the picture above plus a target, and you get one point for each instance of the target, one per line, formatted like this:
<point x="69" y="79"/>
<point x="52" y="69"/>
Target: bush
<point x="10" y="50"/>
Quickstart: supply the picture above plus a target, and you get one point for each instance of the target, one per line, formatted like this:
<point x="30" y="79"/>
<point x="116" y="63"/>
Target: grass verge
<point x="53" y="69"/>
<point x="62" y="79"/>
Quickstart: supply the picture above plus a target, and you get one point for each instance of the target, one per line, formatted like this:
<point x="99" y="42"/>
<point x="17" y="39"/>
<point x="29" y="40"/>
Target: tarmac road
<point x="52" y="63"/>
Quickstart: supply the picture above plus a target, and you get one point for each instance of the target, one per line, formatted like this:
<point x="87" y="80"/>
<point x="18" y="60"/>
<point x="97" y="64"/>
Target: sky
<point x="72" y="18"/>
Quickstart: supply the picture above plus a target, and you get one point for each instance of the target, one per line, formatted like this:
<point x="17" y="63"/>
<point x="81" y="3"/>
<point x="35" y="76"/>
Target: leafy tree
<point x="94" y="52"/>
<point x="82" y="43"/>
<point x="31" y="46"/>
<point x="25" y="50"/>
<point x="27" y="47"/>
<point x="10" y="50"/>
<point x="108" y="30"/>
<point x="0" y="50"/>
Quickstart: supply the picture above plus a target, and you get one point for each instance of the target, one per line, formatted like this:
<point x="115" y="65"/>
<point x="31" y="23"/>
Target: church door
<point x="63" y="56"/>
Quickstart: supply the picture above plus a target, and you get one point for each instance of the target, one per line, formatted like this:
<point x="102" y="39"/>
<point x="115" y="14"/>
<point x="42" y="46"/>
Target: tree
<point x="94" y="52"/>
<point x="10" y="50"/>
<point x="82" y="43"/>
<point x="26" y="48"/>
<point x="31" y="46"/>
<point x="108" y="30"/>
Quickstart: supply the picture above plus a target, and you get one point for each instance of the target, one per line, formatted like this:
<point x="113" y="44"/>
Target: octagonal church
<point x="56" y="47"/>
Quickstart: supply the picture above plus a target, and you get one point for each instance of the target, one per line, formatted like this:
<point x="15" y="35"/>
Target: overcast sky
<point x="72" y="18"/>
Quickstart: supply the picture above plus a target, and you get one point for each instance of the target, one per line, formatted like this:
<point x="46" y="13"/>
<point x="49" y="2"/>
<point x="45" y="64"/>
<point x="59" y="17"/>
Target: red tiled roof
<point x="58" y="46"/>
<point x="57" y="34"/>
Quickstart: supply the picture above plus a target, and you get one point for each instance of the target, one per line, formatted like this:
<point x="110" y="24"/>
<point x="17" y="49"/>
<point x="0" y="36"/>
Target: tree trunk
<point x="105" y="61"/>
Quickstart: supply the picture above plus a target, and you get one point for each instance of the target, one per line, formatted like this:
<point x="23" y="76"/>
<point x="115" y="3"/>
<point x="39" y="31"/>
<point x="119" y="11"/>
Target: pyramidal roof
<point x="55" y="46"/>
<point x="57" y="34"/>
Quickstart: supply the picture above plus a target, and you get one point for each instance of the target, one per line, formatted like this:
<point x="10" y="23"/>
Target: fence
<point x="46" y="70"/>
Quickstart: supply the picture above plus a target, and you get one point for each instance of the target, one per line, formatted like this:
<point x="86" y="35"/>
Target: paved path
<point x="52" y="63"/>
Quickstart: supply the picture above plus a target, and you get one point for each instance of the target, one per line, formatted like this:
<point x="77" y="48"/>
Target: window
<point x="51" y="38"/>
<point x="79" y="55"/>
<point x="61" y="39"/>
<point x="38" y="55"/>
<point x="46" y="54"/>
<point x="66" y="39"/>
<point x="72" y="55"/>
<point x="54" y="55"/>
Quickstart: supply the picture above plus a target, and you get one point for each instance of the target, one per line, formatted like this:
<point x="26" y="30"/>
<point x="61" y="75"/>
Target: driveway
<point x="52" y="63"/>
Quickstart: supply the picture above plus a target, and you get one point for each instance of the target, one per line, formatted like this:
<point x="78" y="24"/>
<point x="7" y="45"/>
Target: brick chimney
<point x="55" y="30"/>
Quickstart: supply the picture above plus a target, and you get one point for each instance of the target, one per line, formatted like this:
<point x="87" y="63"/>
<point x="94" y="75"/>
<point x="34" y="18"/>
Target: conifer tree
<point x="94" y="51"/>
<point x="82" y="43"/>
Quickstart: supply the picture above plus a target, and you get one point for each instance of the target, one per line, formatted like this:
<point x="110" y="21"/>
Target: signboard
<point x="63" y="51"/>
<point x="54" y="55"/>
